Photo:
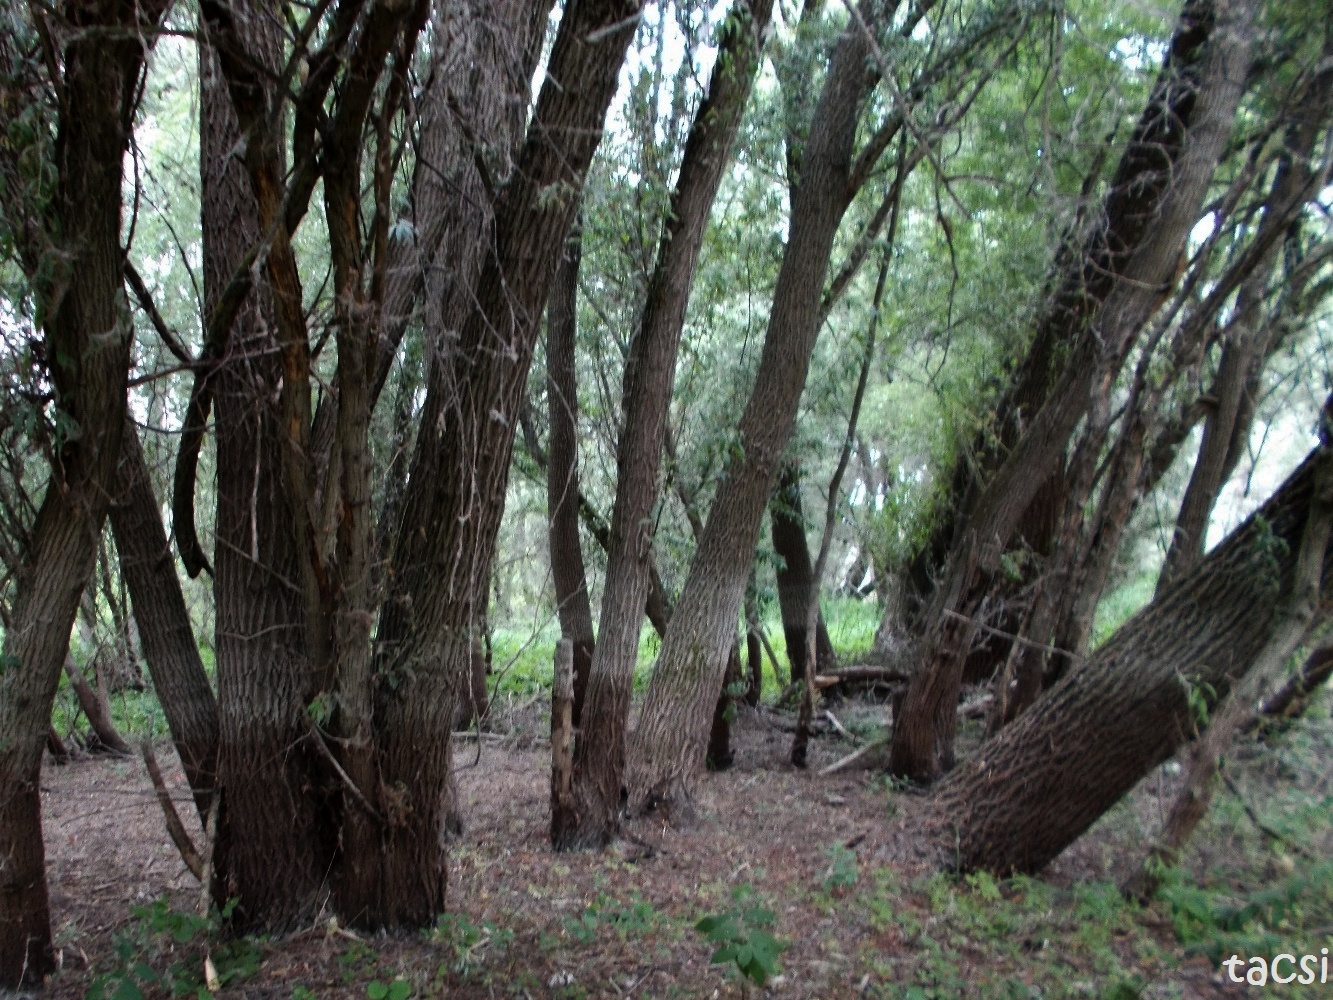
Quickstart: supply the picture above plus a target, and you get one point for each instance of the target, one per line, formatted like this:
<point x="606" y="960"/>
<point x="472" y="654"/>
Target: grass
<point x="523" y="657"/>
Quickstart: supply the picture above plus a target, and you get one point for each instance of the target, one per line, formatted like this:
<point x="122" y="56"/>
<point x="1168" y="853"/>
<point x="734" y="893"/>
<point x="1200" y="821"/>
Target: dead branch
<point x="189" y="854"/>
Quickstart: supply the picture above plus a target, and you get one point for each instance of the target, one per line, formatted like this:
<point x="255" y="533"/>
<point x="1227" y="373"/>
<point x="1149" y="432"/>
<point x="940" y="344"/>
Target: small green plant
<point x="469" y="942"/>
<point x="843" y="870"/>
<point x="192" y="940"/>
<point x="397" y="989"/>
<point x="632" y="920"/>
<point x="742" y="936"/>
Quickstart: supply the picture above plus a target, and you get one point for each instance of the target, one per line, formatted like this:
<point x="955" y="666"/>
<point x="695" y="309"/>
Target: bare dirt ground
<point x="825" y="854"/>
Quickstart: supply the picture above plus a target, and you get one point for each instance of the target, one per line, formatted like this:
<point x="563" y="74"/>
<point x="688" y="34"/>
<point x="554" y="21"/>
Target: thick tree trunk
<point x="669" y="744"/>
<point x="923" y="737"/>
<point x="1087" y="266"/>
<point x="795" y="577"/>
<point x="165" y="632"/>
<point x="87" y="346"/>
<point x="562" y="474"/>
<point x="274" y="849"/>
<point x="1030" y="791"/>
<point x="442" y="560"/>
<point x="600" y="753"/>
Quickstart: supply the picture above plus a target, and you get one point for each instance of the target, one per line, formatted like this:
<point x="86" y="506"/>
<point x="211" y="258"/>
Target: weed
<point x="743" y="938"/>
<point x="202" y="962"/>
<point x="398" y="989"/>
<point x="469" y="943"/>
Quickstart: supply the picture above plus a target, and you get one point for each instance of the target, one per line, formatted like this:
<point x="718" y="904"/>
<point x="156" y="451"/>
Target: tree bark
<point x="668" y="746"/>
<point x="562" y="474"/>
<point x="1030" y="791"/>
<point x="104" y="736"/>
<point x="274" y="848"/>
<point x="787" y="519"/>
<point x="87" y="350"/>
<point x="922" y="747"/>
<point x="1235" y="388"/>
<point x="600" y="753"/>
<point x="442" y="560"/>
<point x="165" y="631"/>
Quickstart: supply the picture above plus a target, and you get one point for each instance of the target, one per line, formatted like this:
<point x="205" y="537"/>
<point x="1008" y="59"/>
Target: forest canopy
<point x="966" y="356"/>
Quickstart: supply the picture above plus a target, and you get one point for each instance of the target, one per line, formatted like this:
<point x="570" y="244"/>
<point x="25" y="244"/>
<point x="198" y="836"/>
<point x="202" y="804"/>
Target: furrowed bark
<point x="600" y="753"/>
<point x="668" y="746"/>
<point x="562" y="474"/>
<point x="923" y="737"/>
<point x="165" y="632"/>
<point x="274" y="847"/>
<point x="442" y="560"/>
<point x="1030" y="791"/>
<point x="87" y="332"/>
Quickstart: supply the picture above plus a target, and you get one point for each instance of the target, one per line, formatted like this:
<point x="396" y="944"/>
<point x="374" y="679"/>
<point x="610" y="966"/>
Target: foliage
<point x="634" y="919"/>
<point x="742" y="937"/>
<point x="172" y="951"/>
<point x="1218" y="924"/>
<point x="469" y="943"/>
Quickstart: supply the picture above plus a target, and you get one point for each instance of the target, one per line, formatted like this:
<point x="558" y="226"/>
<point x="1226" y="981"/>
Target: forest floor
<point x="823" y="854"/>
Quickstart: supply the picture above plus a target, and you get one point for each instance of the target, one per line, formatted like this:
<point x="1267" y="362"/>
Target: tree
<point x="90" y="97"/>
<point x="599" y="753"/>
<point x="1115" y="716"/>
<point x="924" y="732"/>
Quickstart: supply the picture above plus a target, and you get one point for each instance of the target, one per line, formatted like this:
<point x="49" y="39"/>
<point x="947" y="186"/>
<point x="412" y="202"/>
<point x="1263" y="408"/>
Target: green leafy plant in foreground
<point x="159" y="931"/>
<point x="742" y="937"/>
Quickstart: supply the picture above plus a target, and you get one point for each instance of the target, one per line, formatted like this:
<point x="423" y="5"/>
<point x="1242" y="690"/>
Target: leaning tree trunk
<point x="87" y="345"/>
<point x="668" y="746"/>
<point x="923" y="737"/>
<point x="1030" y="791"/>
<point x="273" y="851"/>
<point x="1094" y="254"/>
<point x="165" y="632"/>
<point x="599" y="755"/>
<point x="562" y="474"/>
<point x="795" y="578"/>
<point x="442" y="560"/>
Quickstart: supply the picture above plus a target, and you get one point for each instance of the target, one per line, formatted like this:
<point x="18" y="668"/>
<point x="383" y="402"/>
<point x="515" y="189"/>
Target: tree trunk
<point x="165" y="632"/>
<point x="600" y="753"/>
<point x="562" y="474"/>
<point x="922" y="747"/>
<point x="104" y="736"/>
<point x="442" y="560"/>
<point x="754" y="647"/>
<point x="719" y="755"/>
<point x="1235" y="388"/>
<point x="87" y="349"/>
<point x="1030" y="791"/>
<point x="787" y="518"/>
<point x="669" y="744"/>
<point x="274" y="849"/>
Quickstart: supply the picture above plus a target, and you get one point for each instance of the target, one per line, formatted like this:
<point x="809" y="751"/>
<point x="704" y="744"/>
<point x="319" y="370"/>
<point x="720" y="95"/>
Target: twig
<point x="838" y="726"/>
<point x="189" y="854"/>
<point x="1260" y="825"/>
<point x="852" y="758"/>
<point x="323" y="748"/>
<point x="1053" y="650"/>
